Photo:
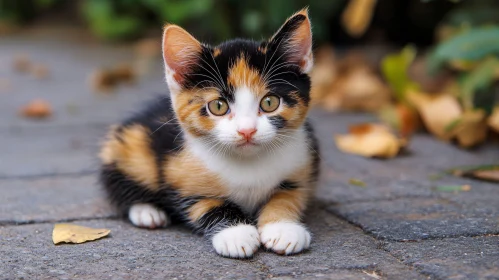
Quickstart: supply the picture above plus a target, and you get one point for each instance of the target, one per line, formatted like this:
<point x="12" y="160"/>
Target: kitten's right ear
<point x="181" y="51"/>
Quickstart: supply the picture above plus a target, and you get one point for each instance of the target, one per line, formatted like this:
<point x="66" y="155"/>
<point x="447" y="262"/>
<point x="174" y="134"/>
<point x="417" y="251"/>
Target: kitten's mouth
<point x="246" y="144"/>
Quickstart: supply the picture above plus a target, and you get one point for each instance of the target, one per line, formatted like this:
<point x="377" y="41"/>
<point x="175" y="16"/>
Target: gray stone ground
<point x="397" y="227"/>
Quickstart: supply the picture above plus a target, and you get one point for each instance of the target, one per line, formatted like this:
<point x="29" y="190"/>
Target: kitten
<point x="230" y="153"/>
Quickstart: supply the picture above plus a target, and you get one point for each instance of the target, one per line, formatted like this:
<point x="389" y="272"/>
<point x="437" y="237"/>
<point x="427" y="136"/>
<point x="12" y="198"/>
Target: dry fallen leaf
<point x="21" y="63"/>
<point x="370" y="140"/>
<point x="69" y="233"/>
<point x="124" y="73"/>
<point x="357" y="16"/>
<point x="37" y="109"/>
<point x="493" y="120"/>
<point x="482" y="172"/>
<point x="437" y="111"/>
<point x="401" y="117"/>
<point x="471" y="128"/>
<point x="102" y="80"/>
<point x="453" y="188"/>
<point x="40" y="71"/>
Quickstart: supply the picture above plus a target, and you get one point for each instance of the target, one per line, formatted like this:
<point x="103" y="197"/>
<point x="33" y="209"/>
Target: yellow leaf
<point x="357" y="16"/>
<point x="493" y="120"/>
<point x="437" y="112"/>
<point x="370" y="140"/>
<point x="471" y="129"/>
<point x="69" y="233"/>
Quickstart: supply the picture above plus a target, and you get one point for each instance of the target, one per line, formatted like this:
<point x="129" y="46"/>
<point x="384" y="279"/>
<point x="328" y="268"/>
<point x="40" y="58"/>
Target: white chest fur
<point x="252" y="181"/>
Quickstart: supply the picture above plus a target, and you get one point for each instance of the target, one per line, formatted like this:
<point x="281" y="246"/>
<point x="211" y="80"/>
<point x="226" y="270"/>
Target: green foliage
<point x="394" y="68"/>
<point x="480" y="80"/>
<point x="210" y="20"/>
<point x="473" y="45"/>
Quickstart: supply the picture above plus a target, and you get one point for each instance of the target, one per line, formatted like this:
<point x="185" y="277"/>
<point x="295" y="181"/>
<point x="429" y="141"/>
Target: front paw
<point x="239" y="241"/>
<point x="285" y="237"/>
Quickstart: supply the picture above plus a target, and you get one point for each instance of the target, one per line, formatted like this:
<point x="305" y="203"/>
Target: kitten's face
<point x="241" y="97"/>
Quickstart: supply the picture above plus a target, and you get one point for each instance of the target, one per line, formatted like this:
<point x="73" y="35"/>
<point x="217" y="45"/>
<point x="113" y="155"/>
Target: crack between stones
<point x="49" y="175"/>
<point x="36" y="222"/>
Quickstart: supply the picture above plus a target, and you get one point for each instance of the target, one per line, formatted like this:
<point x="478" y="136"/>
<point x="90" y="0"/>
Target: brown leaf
<point x="401" y="117"/>
<point x="487" y="175"/>
<point x="357" y="16"/>
<point x="69" y="233"/>
<point x="471" y="129"/>
<point x="437" y="111"/>
<point x="40" y="71"/>
<point x="37" y="109"/>
<point x="370" y="140"/>
<point x="102" y="80"/>
<point x="493" y="120"/>
<point x="21" y="63"/>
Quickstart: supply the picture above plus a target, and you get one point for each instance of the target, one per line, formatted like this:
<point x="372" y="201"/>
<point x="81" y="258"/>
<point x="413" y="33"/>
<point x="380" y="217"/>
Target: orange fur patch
<point x="285" y="205"/>
<point x="289" y="205"/>
<point x="188" y="105"/>
<point x="242" y="75"/>
<point x="202" y="207"/>
<point x="129" y="149"/>
<point x="190" y="177"/>
<point x="216" y="52"/>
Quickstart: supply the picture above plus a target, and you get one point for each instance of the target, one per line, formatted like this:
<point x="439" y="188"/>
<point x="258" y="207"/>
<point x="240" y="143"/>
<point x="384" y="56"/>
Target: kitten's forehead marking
<point x="242" y="75"/>
<point x="246" y="103"/>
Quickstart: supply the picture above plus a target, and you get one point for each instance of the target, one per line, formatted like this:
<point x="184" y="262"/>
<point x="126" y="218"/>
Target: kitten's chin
<point x="247" y="149"/>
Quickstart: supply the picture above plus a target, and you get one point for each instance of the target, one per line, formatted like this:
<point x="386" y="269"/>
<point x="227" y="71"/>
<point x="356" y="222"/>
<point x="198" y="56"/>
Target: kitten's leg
<point x="147" y="216"/>
<point x="232" y="233"/>
<point x="279" y="222"/>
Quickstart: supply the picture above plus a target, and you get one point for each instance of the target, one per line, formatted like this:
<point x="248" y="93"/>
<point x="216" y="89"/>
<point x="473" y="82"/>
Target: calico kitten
<point x="230" y="153"/>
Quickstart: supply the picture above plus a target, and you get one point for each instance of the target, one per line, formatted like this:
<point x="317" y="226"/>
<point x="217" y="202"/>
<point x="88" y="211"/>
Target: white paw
<point x="285" y="237"/>
<point x="239" y="241"/>
<point x="147" y="216"/>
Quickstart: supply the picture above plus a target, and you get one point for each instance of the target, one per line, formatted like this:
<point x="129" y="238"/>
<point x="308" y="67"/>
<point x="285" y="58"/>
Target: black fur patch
<point x="314" y="149"/>
<point x="218" y="218"/>
<point x="288" y="185"/>
<point x="278" y="122"/>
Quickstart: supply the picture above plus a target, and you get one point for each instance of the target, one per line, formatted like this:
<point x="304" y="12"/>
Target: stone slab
<point x="51" y="199"/>
<point x="339" y="251"/>
<point x="451" y="258"/>
<point x="337" y="245"/>
<point x="407" y="219"/>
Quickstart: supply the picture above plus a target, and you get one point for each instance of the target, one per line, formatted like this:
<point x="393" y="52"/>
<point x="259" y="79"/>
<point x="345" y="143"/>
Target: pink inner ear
<point x="180" y="51"/>
<point x="301" y="44"/>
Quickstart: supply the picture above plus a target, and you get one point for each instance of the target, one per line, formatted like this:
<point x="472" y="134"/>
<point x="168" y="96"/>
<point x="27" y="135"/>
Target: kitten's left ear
<point x="295" y="38"/>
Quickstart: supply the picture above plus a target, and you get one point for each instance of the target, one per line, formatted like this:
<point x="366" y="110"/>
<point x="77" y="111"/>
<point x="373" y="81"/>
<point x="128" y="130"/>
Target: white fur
<point x="147" y="216"/>
<point x="251" y="173"/>
<point x="239" y="241"/>
<point x="285" y="237"/>
<point x="251" y="180"/>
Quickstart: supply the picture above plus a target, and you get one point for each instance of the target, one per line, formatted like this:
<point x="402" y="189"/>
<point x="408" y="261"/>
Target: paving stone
<point x="51" y="199"/>
<point x="407" y="175"/>
<point x="28" y="152"/>
<point x="129" y="253"/>
<point x="451" y="258"/>
<point x="337" y="245"/>
<point x="339" y="251"/>
<point x="67" y="89"/>
<point x="420" y="218"/>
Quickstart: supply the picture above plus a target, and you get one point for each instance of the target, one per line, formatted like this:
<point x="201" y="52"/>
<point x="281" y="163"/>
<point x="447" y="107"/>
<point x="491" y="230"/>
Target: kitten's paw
<point x="147" y="216"/>
<point x="239" y="241"/>
<point x="285" y="237"/>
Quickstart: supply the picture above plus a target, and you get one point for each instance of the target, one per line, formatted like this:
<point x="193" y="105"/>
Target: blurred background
<point x="418" y="65"/>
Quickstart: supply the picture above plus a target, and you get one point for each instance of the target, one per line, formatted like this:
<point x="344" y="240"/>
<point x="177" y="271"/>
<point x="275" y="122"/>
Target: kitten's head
<point x="242" y="96"/>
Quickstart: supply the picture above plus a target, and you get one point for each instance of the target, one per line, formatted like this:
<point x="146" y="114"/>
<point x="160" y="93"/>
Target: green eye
<point x="270" y="103"/>
<point x="218" y="107"/>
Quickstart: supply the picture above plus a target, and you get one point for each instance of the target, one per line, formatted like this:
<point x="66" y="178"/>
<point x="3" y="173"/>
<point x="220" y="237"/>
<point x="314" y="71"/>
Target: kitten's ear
<point x="181" y="51"/>
<point x="295" y="38"/>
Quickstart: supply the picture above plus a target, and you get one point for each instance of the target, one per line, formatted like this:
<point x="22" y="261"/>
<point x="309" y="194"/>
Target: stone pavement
<point x="397" y="227"/>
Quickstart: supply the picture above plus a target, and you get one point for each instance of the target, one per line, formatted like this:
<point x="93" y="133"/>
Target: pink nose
<point x="247" y="132"/>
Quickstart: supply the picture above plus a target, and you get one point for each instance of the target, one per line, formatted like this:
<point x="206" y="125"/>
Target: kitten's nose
<point x="247" y="133"/>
